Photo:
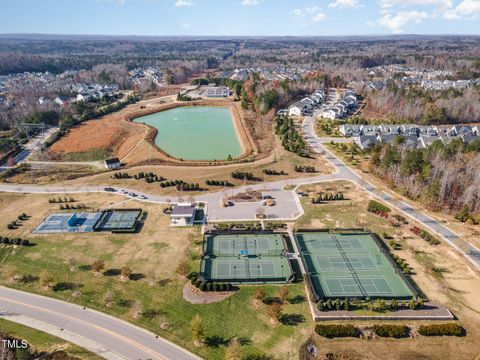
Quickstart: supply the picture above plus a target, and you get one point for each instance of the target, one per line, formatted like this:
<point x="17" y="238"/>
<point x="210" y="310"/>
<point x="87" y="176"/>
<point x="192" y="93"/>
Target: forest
<point x="445" y="177"/>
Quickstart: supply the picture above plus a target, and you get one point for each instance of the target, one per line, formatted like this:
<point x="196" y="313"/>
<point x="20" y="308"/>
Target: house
<point x="44" y="100"/>
<point x="365" y="141"/>
<point x="349" y="130"/>
<point x="410" y="141"/>
<point x="386" y="138"/>
<point x="462" y="130"/>
<point x="469" y="138"/>
<point x="426" y="141"/>
<point x="296" y="109"/>
<point x="113" y="163"/>
<point x="62" y="100"/>
<point x="330" y="114"/>
<point x="84" y="97"/>
<point x="409" y="130"/>
<point x="183" y="214"/>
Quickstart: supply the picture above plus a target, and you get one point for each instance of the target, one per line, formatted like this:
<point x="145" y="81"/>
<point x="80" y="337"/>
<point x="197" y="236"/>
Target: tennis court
<point x="234" y="244"/>
<point x="68" y="222"/>
<point x="351" y="265"/>
<point x="245" y="257"/>
<point x="118" y="220"/>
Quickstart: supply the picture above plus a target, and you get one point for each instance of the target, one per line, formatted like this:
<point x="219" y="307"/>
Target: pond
<point x="195" y="132"/>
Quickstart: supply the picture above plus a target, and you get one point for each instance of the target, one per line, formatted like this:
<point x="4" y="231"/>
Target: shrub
<point x="333" y="331"/>
<point x="376" y="207"/>
<point x="202" y="286"/>
<point x="209" y="286"/>
<point x="448" y="329"/>
<point x="221" y="287"/>
<point x="228" y="287"/>
<point x="197" y="283"/>
<point x="395" y="331"/>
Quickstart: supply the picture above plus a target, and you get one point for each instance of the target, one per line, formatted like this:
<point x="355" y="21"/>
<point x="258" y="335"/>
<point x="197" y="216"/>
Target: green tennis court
<point x="245" y="257"/>
<point x="351" y="265"/>
<point x="237" y="244"/>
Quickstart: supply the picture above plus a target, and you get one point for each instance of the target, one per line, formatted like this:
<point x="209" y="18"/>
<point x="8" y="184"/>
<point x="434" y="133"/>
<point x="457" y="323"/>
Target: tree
<point x="98" y="266"/>
<point x="126" y="272"/>
<point x="275" y="312"/>
<point x="259" y="295"/>
<point x="283" y="293"/>
<point x="45" y="278"/>
<point x="197" y="329"/>
<point x="233" y="350"/>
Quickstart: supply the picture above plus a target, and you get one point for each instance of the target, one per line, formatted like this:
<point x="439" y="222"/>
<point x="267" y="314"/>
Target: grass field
<point x="159" y="253"/>
<point x="156" y="256"/>
<point x="42" y="342"/>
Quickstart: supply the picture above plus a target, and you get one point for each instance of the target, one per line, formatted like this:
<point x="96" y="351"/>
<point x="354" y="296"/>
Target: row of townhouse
<point x="306" y="105"/>
<point x="413" y="135"/>
<point x="85" y="92"/>
<point x="411" y="141"/>
<point x="340" y="109"/>
<point x="352" y="130"/>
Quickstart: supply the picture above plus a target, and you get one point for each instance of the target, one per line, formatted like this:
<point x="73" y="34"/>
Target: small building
<point x="112" y="164"/>
<point x="183" y="214"/>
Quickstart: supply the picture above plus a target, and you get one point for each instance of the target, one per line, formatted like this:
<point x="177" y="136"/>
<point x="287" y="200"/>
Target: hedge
<point x="448" y="329"/>
<point x="333" y="331"/>
<point x="375" y="207"/>
<point x="395" y="331"/>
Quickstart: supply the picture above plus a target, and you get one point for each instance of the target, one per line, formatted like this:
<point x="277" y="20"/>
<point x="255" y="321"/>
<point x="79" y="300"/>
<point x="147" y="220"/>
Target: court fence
<point x="315" y="286"/>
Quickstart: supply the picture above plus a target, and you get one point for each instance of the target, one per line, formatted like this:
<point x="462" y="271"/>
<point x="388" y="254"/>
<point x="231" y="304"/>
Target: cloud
<point x="185" y="25"/>
<point x="344" y="4"/>
<point x="468" y="9"/>
<point x="444" y="4"/>
<point x="180" y="3"/>
<point x="319" y="17"/>
<point x="314" y="12"/>
<point x="397" y="23"/>
<point x="250" y="2"/>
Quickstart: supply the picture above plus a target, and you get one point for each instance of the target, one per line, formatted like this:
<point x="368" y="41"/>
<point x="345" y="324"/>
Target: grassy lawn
<point x="154" y="255"/>
<point x="43" y="342"/>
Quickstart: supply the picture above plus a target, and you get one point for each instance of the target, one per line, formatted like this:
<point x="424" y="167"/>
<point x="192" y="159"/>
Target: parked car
<point x="108" y="188"/>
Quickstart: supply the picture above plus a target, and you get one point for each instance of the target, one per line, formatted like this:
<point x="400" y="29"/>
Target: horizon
<point x="241" y="17"/>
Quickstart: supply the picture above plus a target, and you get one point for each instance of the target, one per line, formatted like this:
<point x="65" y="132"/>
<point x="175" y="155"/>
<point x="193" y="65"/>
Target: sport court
<point x="68" y="222"/>
<point x="252" y="258"/>
<point x="118" y="220"/>
<point x="232" y="244"/>
<point x="350" y="265"/>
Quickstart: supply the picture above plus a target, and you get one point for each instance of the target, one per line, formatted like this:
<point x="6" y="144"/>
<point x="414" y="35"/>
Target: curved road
<point x="103" y="334"/>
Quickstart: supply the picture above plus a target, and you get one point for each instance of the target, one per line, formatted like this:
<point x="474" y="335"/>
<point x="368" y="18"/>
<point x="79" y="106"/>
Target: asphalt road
<point x="109" y="337"/>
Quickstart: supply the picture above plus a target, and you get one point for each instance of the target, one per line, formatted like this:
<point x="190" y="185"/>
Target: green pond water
<point x="195" y="132"/>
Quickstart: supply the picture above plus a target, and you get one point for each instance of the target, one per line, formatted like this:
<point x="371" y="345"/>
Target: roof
<point x="112" y="161"/>
<point x="183" y="210"/>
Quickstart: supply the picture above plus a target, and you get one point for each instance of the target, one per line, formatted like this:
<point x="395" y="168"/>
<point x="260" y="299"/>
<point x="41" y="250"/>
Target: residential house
<point x="365" y="141"/>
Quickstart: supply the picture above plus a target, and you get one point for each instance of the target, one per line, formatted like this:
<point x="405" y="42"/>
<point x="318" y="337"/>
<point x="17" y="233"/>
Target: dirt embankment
<point x="112" y="134"/>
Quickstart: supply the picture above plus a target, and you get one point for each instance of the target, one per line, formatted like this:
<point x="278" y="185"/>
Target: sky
<point x="240" y="17"/>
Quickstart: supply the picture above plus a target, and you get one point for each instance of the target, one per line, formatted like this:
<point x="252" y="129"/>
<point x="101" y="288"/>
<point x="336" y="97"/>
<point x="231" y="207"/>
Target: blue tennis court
<point x="68" y="223"/>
